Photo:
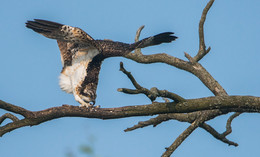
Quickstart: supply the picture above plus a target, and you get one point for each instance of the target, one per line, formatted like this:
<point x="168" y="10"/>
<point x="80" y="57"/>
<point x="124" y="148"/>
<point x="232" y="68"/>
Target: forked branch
<point x="152" y="94"/>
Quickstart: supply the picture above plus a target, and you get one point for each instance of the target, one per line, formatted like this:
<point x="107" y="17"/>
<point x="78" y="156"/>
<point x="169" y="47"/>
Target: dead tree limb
<point x="227" y="103"/>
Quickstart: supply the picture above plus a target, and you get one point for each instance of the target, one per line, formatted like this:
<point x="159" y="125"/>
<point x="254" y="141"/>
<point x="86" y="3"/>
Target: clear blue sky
<point x="30" y="66"/>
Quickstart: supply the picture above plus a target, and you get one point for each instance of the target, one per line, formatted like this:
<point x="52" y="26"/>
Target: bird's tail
<point x="165" y="37"/>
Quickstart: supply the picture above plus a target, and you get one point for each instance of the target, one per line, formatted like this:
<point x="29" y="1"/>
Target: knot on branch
<point x="153" y="94"/>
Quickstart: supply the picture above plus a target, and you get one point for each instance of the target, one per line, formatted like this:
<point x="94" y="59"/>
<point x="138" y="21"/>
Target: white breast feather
<point x="65" y="81"/>
<point x="73" y="76"/>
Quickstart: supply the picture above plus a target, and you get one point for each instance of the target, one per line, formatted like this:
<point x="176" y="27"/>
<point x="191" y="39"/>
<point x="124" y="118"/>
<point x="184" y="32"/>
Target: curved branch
<point x="8" y="115"/>
<point x="196" y="69"/>
<point x="229" y="121"/>
<point x="217" y="135"/>
<point x="202" y="47"/>
<point x="138" y="32"/>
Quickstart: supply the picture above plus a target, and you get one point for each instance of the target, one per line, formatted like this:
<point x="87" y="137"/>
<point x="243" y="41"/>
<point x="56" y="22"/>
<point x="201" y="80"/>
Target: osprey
<point x="81" y="56"/>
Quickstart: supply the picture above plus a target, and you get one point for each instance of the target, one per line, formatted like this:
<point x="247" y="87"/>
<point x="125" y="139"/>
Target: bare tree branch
<point x="228" y="103"/>
<point x="8" y="115"/>
<point x="15" y="109"/>
<point x="192" y="60"/>
<point x="181" y="138"/>
<point x="229" y="121"/>
<point x="153" y="121"/>
<point x="138" y="32"/>
<point x="130" y="76"/>
<point x="192" y="66"/>
<point x="196" y="69"/>
<point x="184" y="118"/>
<point x="152" y="94"/>
<point x="202" y="47"/>
<point x="217" y="135"/>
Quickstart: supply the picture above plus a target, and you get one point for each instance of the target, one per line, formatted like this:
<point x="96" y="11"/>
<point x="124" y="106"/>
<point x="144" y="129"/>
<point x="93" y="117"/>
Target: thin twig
<point x="138" y="32"/>
<point x="129" y="91"/>
<point x="153" y="121"/>
<point x="192" y="60"/>
<point x="130" y="76"/>
<point x="181" y="138"/>
<point x="202" y="47"/>
<point x="8" y="115"/>
<point x="228" y="125"/>
<point x="217" y="135"/>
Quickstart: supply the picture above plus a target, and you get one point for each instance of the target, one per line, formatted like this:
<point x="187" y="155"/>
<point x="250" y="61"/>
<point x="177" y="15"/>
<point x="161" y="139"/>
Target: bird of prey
<point x="82" y="56"/>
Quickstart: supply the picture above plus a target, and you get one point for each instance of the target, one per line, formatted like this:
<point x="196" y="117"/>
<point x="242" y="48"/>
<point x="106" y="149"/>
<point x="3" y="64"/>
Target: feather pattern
<point x="82" y="56"/>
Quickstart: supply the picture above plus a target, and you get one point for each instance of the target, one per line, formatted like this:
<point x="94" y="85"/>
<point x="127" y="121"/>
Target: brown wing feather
<point x="89" y="84"/>
<point x="65" y="56"/>
<point x="113" y="49"/>
<point x="59" y="31"/>
<point x="66" y="51"/>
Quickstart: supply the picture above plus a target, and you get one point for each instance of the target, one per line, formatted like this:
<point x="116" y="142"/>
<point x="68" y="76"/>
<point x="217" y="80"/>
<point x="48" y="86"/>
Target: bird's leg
<point x="83" y="100"/>
<point x="87" y="105"/>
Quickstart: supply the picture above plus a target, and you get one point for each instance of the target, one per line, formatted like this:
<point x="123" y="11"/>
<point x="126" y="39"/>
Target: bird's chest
<point x="74" y="75"/>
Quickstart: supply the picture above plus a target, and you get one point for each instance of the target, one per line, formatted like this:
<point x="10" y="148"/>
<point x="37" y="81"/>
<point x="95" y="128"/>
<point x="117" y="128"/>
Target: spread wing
<point x="80" y="71"/>
<point x="70" y="39"/>
<point x="59" y="31"/>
